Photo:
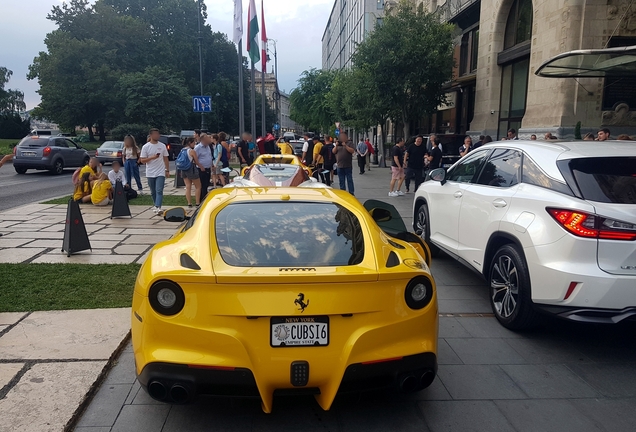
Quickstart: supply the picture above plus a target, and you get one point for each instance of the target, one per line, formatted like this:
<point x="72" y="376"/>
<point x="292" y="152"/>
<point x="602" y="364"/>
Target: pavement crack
<point x="11" y="326"/>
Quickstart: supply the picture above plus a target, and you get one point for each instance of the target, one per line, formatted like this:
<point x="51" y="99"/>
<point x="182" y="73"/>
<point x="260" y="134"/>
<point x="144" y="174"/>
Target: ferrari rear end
<point x="291" y="297"/>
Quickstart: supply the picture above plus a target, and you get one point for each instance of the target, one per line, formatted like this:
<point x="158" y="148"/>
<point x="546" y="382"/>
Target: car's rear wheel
<point x="86" y="160"/>
<point x="20" y="170"/>
<point x="58" y="167"/>
<point x="423" y="229"/>
<point x="510" y="292"/>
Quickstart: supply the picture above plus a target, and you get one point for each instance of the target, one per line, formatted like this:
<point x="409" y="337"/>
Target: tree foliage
<point x="409" y="58"/>
<point x="99" y="65"/>
<point x="11" y="103"/>
<point x="309" y="104"/>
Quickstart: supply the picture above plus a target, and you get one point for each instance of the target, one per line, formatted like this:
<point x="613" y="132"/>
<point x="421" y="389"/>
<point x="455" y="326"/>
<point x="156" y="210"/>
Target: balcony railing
<point x="451" y="8"/>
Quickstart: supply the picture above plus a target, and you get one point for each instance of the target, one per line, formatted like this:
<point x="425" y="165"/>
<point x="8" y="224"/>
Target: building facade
<point x="348" y="24"/>
<point x="286" y="123"/>
<point x="500" y="45"/>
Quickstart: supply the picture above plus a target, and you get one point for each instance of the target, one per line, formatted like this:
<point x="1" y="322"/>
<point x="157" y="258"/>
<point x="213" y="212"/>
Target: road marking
<point x="15" y="183"/>
<point x="468" y="315"/>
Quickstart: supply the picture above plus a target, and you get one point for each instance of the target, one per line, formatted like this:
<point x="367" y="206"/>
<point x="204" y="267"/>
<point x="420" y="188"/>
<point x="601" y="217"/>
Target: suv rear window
<point x="606" y="179"/>
<point x="286" y="234"/>
<point x="34" y="142"/>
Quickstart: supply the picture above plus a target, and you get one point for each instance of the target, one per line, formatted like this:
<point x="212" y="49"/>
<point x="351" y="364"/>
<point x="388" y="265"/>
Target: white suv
<point x="550" y="225"/>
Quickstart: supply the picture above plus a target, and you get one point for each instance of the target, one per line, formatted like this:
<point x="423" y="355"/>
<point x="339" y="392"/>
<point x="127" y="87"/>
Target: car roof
<point x="287" y="194"/>
<point x="546" y="153"/>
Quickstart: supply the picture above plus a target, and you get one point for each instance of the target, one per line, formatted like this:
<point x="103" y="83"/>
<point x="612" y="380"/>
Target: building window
<point x="514" y="77"/>
<point x="380" y="4"/>
<point x="468" y="52"/>
<point x="379" y="21"/>
<point x="519" y="24"/>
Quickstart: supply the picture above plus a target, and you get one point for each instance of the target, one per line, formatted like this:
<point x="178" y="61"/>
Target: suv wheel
<point x="20" y="170"/>
<point x="510" y="297"/>
<point x="58" y="167"/>
<point x="423" y="229"/>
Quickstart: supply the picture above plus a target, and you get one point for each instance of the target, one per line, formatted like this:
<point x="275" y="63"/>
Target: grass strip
<point x="37" y="287"/>
<point x="142" y="200"/>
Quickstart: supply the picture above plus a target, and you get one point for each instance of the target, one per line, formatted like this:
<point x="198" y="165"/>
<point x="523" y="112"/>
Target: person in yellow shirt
<point x="284" y="147"/>
<point x="317" y="149"/>
<point x="102" y="191"/>
<point x="93" y="167"/>
<point x="83" y="190"/>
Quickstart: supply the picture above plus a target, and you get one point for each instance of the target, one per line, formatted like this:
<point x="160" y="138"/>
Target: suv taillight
<point x="46" y="151"/>
<point x="15" y="149"/>
<point x="119" y="153"/>
<point x="588" y="225"/>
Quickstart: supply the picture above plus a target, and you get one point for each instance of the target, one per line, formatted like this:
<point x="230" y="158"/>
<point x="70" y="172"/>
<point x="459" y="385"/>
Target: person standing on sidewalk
<point x="344" y="151"/>
<point x="243" y="150"/>
<point x="397" y="168"/>
<point x="369" y="153"/>
<point x="415" y="163"/>
<point x="130" y="157"/>
<point x="362" y="151"/>
<point x="155" y="155"/>
<point x="328" y="160"/>
<point x="204" y="156"/>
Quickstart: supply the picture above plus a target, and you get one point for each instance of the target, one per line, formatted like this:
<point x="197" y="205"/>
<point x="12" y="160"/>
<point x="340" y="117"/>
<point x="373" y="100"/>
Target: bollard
<point x="178" y="180"/>
<point x="120" y="202"/>
<point x="75" y="236"/>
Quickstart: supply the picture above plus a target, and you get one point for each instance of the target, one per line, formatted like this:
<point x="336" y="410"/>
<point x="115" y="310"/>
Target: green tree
<point x="156" y="96"/>
<point x="408" y="59"/>
<point x="310" y="106"/>
<point x="11" y="100"/>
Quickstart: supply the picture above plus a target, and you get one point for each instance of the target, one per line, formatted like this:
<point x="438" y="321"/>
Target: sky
<point x="296" y="25"/>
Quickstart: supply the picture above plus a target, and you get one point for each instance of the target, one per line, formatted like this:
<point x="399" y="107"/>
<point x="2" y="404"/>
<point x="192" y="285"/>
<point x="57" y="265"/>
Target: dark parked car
<point x="53" y="153"/>
<point x="173" y="144"/>
<point x="298" y="147"/>
<point x="109" y="152"/>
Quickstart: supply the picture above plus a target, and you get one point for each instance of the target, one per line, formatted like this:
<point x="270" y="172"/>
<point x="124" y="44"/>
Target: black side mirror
<point x="380" y="214"/>
<point x="176" y="214"/>
<point x="438" y="174"/>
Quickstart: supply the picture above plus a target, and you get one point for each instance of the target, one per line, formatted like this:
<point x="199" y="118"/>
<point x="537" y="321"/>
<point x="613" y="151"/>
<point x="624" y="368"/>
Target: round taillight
<point x="166" y="297"/>
<point x="419" y="292"/>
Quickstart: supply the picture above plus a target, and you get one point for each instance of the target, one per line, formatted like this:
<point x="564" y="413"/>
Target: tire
<point x="423" y="229"/>
<point x="510" y="289"/>
<point x="86" y="160"/>
<point x="58" y="167"/>
<point x="20" y="170"/>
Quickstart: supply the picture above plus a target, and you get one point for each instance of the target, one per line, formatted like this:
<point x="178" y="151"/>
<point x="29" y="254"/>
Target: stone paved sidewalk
<point x="34" y="233"/>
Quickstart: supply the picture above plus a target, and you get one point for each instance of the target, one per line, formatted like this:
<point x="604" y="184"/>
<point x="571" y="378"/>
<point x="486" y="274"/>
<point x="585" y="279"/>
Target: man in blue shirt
<point x="204" y="155"/>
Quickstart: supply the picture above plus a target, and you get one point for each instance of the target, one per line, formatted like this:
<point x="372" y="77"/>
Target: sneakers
<point x="393" y="194"/>
<point x="189" y="205"/>
<point x="400" y="193"/>
<point x="140" y="192"/>
<point x="154" y="209"/>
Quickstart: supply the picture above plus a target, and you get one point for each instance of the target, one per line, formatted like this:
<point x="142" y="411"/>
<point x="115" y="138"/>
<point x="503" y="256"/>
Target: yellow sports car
<point x="268" y="291"/>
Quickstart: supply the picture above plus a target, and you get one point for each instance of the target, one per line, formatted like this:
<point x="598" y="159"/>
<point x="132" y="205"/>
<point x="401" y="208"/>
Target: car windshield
<point x="34" y="142"/>
<point x="289" y="234"/>
<point x="606" y="179"/>
<point x="277" y="173"/>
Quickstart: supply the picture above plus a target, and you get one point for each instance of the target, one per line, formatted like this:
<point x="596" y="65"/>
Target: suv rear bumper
<point x="589" y="315"/>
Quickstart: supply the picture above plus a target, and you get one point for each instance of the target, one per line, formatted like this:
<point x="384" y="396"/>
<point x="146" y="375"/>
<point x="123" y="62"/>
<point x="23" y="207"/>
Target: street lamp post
<point x="203" y="125"/>
<point x="277" y="97"/>
<point x="216" y="100"/>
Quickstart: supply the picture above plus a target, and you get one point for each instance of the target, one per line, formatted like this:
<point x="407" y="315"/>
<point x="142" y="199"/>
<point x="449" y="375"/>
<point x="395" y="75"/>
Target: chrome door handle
<point x="458" y="194"/>
<point x="499" y="203"/>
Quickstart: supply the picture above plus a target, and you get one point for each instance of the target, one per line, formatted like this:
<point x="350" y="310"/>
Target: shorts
<point x="397" y="173"/>
<point x="191" y="174"/>
<point x="103" y="202"/>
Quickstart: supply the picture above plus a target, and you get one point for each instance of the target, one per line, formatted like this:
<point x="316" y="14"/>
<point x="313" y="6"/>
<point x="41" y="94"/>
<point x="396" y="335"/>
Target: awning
<point x="594" y="63"/>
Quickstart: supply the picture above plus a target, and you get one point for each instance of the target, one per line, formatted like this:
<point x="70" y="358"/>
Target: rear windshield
<point x="286" y="234"/>
<point x="34" y="142"/>
<point x="113" y="144"/>
<point x="606" y="179"/>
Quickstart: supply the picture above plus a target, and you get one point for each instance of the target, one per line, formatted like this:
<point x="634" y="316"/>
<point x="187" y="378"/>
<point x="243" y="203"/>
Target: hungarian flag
<point x="252" y="33"/>
<point x="263" y="39"/>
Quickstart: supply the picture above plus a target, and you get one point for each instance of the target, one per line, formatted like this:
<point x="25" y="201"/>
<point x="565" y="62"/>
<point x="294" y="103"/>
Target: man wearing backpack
<point x="205" y="157"/>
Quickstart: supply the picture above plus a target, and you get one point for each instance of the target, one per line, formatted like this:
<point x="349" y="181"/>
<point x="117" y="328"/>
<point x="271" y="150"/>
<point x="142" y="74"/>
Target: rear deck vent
<point x="297" y="269"/>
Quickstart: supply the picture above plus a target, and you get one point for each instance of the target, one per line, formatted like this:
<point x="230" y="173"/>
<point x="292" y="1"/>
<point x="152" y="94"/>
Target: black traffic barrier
<point x="120" y="202"/>
<point x="178" y="180"/>
<point x="75" y="236"/>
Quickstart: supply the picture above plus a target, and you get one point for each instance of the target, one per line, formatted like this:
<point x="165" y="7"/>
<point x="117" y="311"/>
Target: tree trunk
<point x="407" y="130"/>
<point x="91" y="136"/>
<point x="100" y="129"/>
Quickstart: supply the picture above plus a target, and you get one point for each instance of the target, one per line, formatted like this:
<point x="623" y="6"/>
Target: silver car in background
<point x="109" y="152"/>
<point x="52" y="153"/>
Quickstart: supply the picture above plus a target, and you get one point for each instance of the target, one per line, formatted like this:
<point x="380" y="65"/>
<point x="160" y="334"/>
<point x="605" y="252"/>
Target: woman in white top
<point x="191" y="175"/>
<point x="130" y="158"/>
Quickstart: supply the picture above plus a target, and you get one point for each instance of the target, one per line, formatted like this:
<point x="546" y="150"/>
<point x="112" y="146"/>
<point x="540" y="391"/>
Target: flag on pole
<point x="263" y="39"/>
<point x="252" y="33"/>
<point x="238" y="21"/>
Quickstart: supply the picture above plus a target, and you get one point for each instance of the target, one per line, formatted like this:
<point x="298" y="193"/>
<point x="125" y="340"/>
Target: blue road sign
<point x="337" y="132"/>
<point x="276" y="126"/>
<point x="202" y="104"/>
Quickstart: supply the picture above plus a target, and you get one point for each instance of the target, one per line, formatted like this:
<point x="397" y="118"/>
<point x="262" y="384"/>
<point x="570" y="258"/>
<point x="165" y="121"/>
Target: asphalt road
<point x="36" y="186"/>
